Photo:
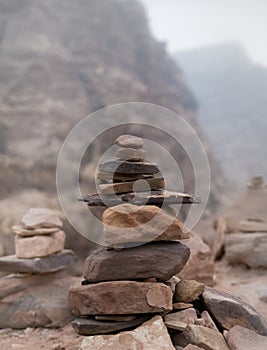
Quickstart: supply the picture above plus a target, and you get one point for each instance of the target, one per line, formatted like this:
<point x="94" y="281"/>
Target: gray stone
<point x="51" y="263"/>
<point x="40" y="217"/>
<point x="229" y="311"/>
<point x="126" y="167"/>
<point x="149" y="336"/>
<point x="188" y="291"/>
<point x="160" y="260"/>
<point x="240" y="338"/>
<point x="129" y="141"/>
<point x="181" y="319"/>
<point x="89" y="326"/>
<point x="131" y="154"/>
<point x="120" y="298"/>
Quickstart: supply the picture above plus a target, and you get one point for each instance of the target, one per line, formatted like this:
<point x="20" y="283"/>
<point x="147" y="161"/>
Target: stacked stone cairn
<point x="38" y="263"/>
<point x="130" y="297"/>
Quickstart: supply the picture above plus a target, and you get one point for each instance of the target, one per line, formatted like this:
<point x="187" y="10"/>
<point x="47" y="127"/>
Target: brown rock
<point x="200" y="266"/>
<point x="181" y="306"/>
<point x="208" y="320"/>
<point x="205" y="338"/>
<point x="129" y="141"/>
<point x="229" y="311"/>
<point x="129" y="223"/>
<point x="158" y="260"/>
<point x="132" y="186"/>
<point x="126" y="167"/>
<point x="180" y="320"/>
<point x="119" y="318"/>
<point x="188" y="291"/>
<point x="192" y="347"/>
<point x="240" y="338"/>
<point x="120" y="297"/>
<point x="40" y="217"/>
<point x="253" y="226"/>
<point x="39" y="246"/>
<point x="150" y="336"/>
<point x="131" y="154"/>
<point x="24" y="232"/>
<point x="122" y="177"/>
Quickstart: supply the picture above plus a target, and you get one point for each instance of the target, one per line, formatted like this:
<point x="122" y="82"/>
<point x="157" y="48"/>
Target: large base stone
<point x="160" y="260"/>
<point x="120" y="297"/>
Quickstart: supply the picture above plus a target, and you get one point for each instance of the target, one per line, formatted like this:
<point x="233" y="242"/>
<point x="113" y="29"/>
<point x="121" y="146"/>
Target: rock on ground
<point x="240" y="338"/>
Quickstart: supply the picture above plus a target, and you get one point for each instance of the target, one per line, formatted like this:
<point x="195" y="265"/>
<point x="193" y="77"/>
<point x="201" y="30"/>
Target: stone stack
<point x="33" y="293"/>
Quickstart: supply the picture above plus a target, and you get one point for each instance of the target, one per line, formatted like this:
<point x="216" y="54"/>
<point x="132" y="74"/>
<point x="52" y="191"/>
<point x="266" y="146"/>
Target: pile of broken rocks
<point x="130" y="297"/>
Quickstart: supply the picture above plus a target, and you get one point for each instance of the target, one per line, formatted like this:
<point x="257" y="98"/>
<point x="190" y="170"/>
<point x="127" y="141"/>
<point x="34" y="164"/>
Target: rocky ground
<point x="250" y="285"/>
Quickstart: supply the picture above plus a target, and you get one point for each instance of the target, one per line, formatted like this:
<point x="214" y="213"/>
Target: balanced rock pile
<point x="130" y="297"/>
<point x="35" y="293"/>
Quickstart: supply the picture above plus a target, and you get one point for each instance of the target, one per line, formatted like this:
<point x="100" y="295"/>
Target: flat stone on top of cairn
<point x="129" y="141"/>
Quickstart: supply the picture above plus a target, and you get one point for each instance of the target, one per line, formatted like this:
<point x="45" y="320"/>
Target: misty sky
<point x="185" y="24"/>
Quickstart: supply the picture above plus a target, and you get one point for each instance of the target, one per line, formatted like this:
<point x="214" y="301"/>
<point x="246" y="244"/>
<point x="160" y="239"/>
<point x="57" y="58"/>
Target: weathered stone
<point x="89" y="326"/>
<point x="131" y="154"/>
<point x="172" y="282"/>
<point x="51" y="263"/>
<point x="158" y="260"/>
<point x="179" y="339"/>
<point x="39" y="246"/>
<point x="205" y="338"/>
<point x="35" y="300"/>
<point x="181" y="319"/>
<point x="253" y="226"/>
<point x="208" y="320"/>
<point x="120" y="297"/>
<point x="240" y="338"/>
<point x="181" y="306"/>
<point x="150" y="336"/>
<point x="40" y="217"/>
<point x="129" y="223"/>
<point x="249" y="249"/>
<point x="129" y="141"/>
<point x="188" y="291"/>
<point x="132" y="186"/>
<point x="229" y="311"/>
<point x="122" y="177"/>
<point x="117" y="318"/>
<point x="24" y="232"/>
<point x="200" y="265"/>
<point x="192" y="347"/>
<point x="126" y="167"/>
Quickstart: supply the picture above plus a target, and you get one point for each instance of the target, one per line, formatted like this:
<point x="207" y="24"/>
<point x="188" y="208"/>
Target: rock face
<point x="39" y="218"/>
<point x="160" y="260"/>
<point x="240" y="338"/>
<point x="120" y="297"/>
<point x="150" y="336"/>
<point x="229" y="311"/>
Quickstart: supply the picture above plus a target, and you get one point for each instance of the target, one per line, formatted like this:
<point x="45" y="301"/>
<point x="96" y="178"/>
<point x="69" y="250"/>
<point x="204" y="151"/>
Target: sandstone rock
<point x="89" y="326"/>
<point x="253" y="226"/>
<point x="181" y="306"/>
<point x="119" y="318"/>
<point x="172" y="282"/>
<point x="160" y="260"/>
<point x="130" y="154"/>
<point x="35" y="300"/>
<point x="192" y="347"/>
<point x="129" y="223"/>
<point x="24" y="232"/>
<point x="39" y="246"/>
<point x="205" y="338"/>
<point x="180" y="320"/>
<point x="120" y="297"/>
<point x="229" y="311"/>
<point x="200" y="266"/>
<point x="40" y="217"/>
<point x="132" y="186"/>
<point x="208" y="320"/>
<point x="129" y="141"/>
<point x="125" y="167"/>
<point x="150" y="336"/>
<point x="240" y="338"/>
<point x="51" y="263"/>
<point x="249" y="249"/>
<point x="188" y="291"/>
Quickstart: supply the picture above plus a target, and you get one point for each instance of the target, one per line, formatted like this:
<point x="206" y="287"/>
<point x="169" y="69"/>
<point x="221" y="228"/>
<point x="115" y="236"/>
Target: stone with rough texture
<point x="188" y="291"/>
<point x="180" y="320"/>
<point x="40" y="217"/>
<point x="181" y="306"/>
<point x="51" y="263"/>
<point x="120" y="297"/>
<point x="39" y="246"/>
<point x="132" y="186"/>
<point x="200" y="266"/>
<point x="24" y="232"/>
<point x="192" y="347"/>
<point x="208" y="320"/>
<point x="247" y="248"/>
<point x="151" y="335"/>
<point x="240" y="338"/>
<point x="131" y="154"/>
<point x="89" y="326"/>
<point x="129" y="223"/>
<point x="129" y="141"/>
<point x="35" y="300"/>
<point x="160" y="260"/>
<point x="205" y="338"/>
<point x="229" y="311"/>
<point x="126" y="167"/>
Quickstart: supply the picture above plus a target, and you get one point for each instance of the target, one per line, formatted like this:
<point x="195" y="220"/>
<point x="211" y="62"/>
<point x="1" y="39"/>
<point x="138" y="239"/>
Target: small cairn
<point x="39" y="257"/>
<point x="131" y="285"/>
